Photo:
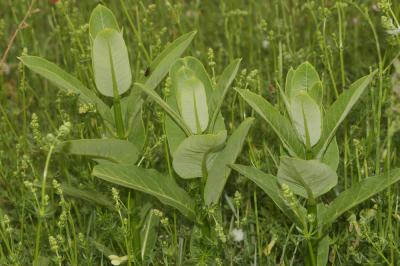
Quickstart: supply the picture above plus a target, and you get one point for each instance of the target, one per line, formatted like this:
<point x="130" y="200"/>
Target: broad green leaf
<point x="148" y="181"/>
<point x="87" y="194"/>
<point x="306" y="178"/>
<point x="331" y="156"/>
<point x="163" y="62"/>
<point x="219" y="172"/>
<point x="111" y="63"/>
<point x="197" y="68"/>
<point x="67" y="83"/>
<point x="321" y="208"/>
<point x="135" y="128"/>
<point x="175" y="135"/>
<point x="223" y="84"/>
<point x="304" y="78"/>
<point x="196" y="154"/>
<point x="358" y="193"/>
<point x="101" y="18"/>
<point x="171" y="112"/>
<point x="219" y="124"/>
<point x="280" y="124"/>
<point x="191" y="99"/>
<point x="192" y="88"/>
<point x="148" y="236"/>
<point x="323" y="251"/>
<point x="337" y="112"/>
<point x="137" y="132"/>
<point x="158" y="69"/>
<point x="307" y="118"/>
<point x="114" y="150"/>
<point x="288" y="82"/>
<point x="317" y="92"/>
<point x="268" y="183"/>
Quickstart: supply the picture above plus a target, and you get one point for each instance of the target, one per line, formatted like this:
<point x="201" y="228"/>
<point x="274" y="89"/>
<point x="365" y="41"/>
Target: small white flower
<point x="265" y="44"/>
<point x="237" y="235"/>
<point x="394" y="31"/>
<point x="116" y="260"/>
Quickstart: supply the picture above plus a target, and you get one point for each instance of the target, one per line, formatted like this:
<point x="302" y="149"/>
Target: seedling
<point x="308" y="166"/>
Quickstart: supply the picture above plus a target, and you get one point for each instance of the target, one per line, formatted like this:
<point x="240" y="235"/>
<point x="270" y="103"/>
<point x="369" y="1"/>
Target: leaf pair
<point x="344" y="202"/>
<point x="192" y="88"/>
<point x="193" y="107"/>
<point x="208" y="156"/>
<point x="112" y="71"/>
<point x="303" y="101"/>
<point x="305" y="110"/>
<point x="307" y="178"/>
<point x="196" y="154"/>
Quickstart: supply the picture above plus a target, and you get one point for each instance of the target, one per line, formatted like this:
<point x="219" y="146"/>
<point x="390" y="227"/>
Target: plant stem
<point x="119" y="122"/>
<point x="341" y="48"/>
<point x="43" y="205"/>
<point x="311" y="252"/>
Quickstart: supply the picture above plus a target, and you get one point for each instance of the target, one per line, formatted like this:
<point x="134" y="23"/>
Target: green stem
<point x="341" y="48"/>
<point x="311" y="252"/>
<point x="119" y="122"/>
<point x="43" y="205"/>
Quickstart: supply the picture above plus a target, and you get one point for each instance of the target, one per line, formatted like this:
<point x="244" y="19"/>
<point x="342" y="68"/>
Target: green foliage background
<point x="344" y="40"/>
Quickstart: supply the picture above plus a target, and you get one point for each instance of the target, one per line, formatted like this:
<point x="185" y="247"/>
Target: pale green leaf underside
<point x="100" y="19"/>
<point x="268" y="183"/>
<point x="306" y="178"/>
<point x="190" y="155"/>
<point x="358" y="193"/>
<point x="191" y="98"/>
<point x="317" y="92"/>
<point x="304" y="78"/>
<point x="158" y="69"/>
<point x="280" y="124"/>
<point x="219" y="172"/>
<point x="194" y="65"/>
<point x="111" y="55"/>
<point x="114" y="150"/>
<point x="307" y="117"/>
<point x="148" y="181"/>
